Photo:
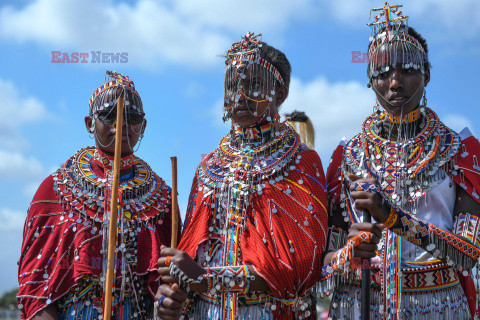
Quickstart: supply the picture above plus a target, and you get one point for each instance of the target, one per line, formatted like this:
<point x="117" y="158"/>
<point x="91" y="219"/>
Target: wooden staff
<point x="112" y="230"/>
<point x="173" y="242"/>
<point x="365" y="306"/>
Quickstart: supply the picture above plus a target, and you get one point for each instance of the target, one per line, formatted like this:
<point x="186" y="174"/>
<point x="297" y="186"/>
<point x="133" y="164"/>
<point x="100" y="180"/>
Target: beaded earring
<point x="423" y="105"/>
<point x="376" y="110"/>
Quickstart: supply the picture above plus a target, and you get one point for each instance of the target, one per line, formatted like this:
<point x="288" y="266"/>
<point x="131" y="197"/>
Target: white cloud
<point x="336" y="110"/>
<point x="267" y="16"/>
<point x="16" y="111"/>
<point x="30" y="189"/>
<point x="11" y="219"/>
<point x="151" y="32"/>
<point x="14" y="165"/>
<point x="446" y="15"/>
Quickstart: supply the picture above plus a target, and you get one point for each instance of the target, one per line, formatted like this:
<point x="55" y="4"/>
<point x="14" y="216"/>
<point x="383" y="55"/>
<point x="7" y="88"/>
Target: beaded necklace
<point x="232" y="173"/>
<point x="405" y="169"/>
<point x="83" y="186"/>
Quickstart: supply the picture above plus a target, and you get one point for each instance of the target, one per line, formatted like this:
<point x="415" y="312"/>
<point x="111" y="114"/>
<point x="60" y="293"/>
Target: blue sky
<point x="174" y="53"/>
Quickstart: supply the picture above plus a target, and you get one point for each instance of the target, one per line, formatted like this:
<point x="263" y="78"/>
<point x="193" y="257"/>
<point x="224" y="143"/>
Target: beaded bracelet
<point x="183" y="279"/>
<point x="228" y="279"/>
<point x="342" y="259"/>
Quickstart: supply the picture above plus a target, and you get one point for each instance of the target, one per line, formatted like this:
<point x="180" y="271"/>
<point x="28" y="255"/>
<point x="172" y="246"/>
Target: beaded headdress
<point x="391" y="44"/>
<point x="114" y="79"/>
<point x="244" y="58"/>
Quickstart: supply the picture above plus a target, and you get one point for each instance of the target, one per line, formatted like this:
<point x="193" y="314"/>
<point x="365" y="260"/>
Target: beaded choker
<point x="85" y="188"/>
<point x="105" y="161"/>
<point x="253" y="133"/>
<point x="412" y="116"/>
<point x="258" y="162"/>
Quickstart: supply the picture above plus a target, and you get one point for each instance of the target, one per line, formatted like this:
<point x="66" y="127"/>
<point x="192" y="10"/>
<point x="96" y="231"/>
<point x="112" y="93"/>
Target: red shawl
<point x="59" y="248"/>
<point x="289" y="275"/>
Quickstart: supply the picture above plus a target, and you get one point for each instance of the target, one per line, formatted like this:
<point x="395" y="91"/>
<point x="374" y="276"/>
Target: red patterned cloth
<point x="267" y="240"/>
<point x="469" y="176"/>
<point x="62" y="245"/>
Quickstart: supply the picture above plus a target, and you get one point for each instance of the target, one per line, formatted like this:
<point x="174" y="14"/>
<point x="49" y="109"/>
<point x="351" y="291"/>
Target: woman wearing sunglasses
<point x="63" y="261"/>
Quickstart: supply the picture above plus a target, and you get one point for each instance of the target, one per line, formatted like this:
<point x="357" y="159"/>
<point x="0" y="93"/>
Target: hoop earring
<point x="91" y="132"/>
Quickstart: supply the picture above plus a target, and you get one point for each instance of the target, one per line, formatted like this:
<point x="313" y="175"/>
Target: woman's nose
<point x="396" y="80"/>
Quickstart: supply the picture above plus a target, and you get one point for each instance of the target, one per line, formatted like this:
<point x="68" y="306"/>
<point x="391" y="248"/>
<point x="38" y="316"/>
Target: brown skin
<point x="105" y="134"/>
<point x="242" y="115"/>
<point x="49" y="313"/>
<point x="396" y="86"/>
<point x="242" y="111"/>
<point x="174" y="303"/>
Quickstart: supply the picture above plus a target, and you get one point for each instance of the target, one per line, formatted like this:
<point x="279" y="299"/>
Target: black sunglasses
<point x="110" y="116"/>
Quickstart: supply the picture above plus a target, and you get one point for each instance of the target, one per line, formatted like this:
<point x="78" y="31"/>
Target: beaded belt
<point x="428" y="276"/>
<point x="242" y="299"/>
<point x="421" y="276"/>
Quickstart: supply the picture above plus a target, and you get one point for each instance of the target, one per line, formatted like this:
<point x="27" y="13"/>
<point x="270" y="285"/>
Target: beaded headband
<point x="390" y="28"/>
<point x="112" y="79"/>
<point x="248" y="51"/>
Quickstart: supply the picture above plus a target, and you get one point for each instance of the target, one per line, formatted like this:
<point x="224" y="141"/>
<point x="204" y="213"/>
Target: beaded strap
<point x="228" y="279"/>
<point x="440" y="243"/>
<point x="184" y="281"/>
<point x="363" y="186"/>
<point x="467" y="225"/>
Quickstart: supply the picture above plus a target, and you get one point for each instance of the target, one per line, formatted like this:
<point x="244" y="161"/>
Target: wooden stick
<point x="112" y="230"/>
<point x="173" y="242"/>
<point x="365" y="283"/>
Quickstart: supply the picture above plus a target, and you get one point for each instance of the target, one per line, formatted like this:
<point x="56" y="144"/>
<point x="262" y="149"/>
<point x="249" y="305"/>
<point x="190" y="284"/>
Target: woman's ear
<point x="144" y="125"/>
<point x="427" y="77"/>
<point x="282" y="94"/>
<point x="89" y="124"/>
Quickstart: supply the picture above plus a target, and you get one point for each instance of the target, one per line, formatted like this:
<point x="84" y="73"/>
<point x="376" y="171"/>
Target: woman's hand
<point x="366" y="249"/>
<point x="182" y="260"/>
<point x="170" y="301"/>
<point x="364" y="193"/>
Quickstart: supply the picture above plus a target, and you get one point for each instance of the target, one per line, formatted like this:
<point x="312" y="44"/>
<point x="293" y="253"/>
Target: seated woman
<point x="63" y="261"/>
<point x="256" y="218"/>
<point x="418" y="180"/>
